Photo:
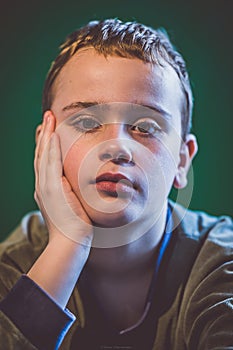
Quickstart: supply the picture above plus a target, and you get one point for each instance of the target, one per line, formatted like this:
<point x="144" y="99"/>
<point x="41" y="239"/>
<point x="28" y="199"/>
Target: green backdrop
<point x="30" y="34"/>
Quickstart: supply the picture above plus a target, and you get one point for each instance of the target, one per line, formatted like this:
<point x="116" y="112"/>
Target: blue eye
<point x="146" y="127"/>
<point x="86" y="124"/>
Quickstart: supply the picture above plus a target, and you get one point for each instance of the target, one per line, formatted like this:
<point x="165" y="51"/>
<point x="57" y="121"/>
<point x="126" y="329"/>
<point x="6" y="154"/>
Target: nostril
<point x="106" y="156"/>
<point x="119" y="161"/>
<point x="123" y="157"/>
<point x="122" y="160"/>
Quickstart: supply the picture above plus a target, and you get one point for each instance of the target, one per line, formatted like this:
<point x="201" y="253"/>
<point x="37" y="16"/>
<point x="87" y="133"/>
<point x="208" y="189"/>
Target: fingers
<point x="47" y="128"/>
<point x="59" y="205"/>
<point x="51" y="164"/>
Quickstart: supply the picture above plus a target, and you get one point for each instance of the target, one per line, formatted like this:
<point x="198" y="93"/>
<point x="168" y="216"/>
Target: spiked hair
<point x="130" y="40"/>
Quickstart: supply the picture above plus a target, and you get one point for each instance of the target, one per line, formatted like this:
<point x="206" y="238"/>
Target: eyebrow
<point x="158" y="109"/>
<point x="82" y="105"/>
<point x="79" y="104"/>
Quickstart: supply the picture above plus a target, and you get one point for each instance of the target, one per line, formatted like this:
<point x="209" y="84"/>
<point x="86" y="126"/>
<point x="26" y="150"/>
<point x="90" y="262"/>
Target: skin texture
<point x="72" y="151"/>
<point x="90" y="77"/>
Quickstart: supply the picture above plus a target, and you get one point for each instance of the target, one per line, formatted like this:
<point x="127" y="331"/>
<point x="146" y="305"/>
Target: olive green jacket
<point x="197" y="290"/>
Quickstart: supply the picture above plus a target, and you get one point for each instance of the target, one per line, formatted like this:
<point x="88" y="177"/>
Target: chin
<point x="112" y="220"/>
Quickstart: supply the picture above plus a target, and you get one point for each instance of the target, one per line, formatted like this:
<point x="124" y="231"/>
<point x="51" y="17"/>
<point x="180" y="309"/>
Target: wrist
<point x="58" y="238"/>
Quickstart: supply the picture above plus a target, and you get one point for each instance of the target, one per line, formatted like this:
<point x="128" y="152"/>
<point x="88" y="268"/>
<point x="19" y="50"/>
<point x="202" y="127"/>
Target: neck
<point x="128" y="259"/>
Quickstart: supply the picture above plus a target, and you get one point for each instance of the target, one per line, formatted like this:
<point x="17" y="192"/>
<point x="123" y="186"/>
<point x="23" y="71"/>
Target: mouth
<point x="114" y="184"/>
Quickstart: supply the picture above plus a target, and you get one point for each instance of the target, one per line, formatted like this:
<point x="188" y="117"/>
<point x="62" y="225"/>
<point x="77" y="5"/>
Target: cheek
<point x="73" y="163"/>
<point x="163" y="165"/>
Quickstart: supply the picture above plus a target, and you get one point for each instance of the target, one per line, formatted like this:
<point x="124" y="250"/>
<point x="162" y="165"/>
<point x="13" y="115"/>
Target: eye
<point x="147" y="127"/>
<point x="86" y="124"/>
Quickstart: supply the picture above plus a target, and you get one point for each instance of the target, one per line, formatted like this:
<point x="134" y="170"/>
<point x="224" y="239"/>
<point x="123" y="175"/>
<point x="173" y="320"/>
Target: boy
<point x="136" y="270"/>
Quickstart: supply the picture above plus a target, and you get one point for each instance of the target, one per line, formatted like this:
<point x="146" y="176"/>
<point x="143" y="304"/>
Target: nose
<point x="116" y="151"/>
<point x="117" y="148"/>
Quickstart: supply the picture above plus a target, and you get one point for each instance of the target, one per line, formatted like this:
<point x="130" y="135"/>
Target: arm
<point x="59" y="266"/>
<point x="57" y="269"/>
<point x="20" y="321"/>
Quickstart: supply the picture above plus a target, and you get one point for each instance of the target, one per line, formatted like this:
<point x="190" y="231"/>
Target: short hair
<point x="125" y="39"/>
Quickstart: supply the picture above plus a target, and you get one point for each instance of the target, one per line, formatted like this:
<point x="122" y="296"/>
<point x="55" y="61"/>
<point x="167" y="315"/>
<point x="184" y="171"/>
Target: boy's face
<point x="121" y="157"/>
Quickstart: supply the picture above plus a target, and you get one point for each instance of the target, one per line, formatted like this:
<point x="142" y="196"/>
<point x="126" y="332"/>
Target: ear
<point x="188" y="151"/>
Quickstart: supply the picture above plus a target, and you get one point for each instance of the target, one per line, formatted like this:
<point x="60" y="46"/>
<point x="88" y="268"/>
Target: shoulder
<point x="22" y="247"/>
<point x="206" y="307"/>
<point x="31" y="234"/>
<point x="199" y="277"/>
<point x="206" y="246"/>
<point x="201" y="244"/>
<point x="201" y="226"/>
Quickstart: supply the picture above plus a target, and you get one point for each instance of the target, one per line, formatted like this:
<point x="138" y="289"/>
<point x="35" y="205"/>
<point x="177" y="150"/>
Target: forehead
<point x="89" y="76"/>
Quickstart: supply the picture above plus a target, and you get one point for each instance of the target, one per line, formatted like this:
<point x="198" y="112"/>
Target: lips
<point x="115" y="184"/>
<point x="112" y="177"/>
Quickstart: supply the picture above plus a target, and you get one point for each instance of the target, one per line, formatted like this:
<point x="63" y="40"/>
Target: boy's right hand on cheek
<point x="59" y="205"/>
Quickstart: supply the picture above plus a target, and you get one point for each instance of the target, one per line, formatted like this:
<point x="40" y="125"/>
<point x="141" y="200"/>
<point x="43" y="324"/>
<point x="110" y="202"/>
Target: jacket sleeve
<point x="11" y="337"/>
<point x="36" y="315"/>
<point x="21" y="297"/>
<point x="208" y="300"/>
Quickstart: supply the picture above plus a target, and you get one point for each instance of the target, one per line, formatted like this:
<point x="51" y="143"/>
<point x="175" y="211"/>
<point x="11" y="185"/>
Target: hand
<point x="70" y="231"/>
<point x="59" y="205"/>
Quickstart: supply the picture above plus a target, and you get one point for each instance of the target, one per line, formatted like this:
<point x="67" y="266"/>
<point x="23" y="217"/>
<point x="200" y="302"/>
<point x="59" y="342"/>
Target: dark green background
<point x="30" y="34"/>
